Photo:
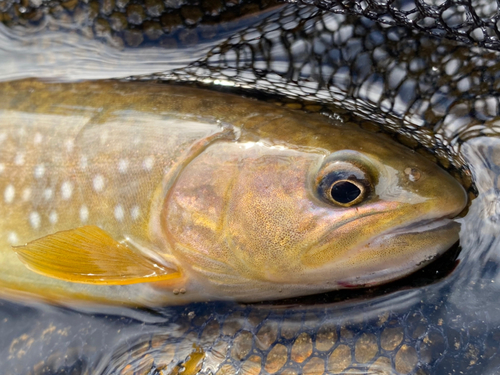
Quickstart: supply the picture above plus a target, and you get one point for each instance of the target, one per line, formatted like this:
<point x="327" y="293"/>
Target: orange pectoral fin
<point x="90" y="255"/>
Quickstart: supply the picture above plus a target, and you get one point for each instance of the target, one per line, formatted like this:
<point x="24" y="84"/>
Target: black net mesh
<point x="470" y="21"/>
<point x="367" y="66"/>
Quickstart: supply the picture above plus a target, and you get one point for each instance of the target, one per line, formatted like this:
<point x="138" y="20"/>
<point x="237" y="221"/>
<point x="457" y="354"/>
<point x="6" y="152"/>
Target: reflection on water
<point x="75" y="57"/>
<point x="439" y="93"/>
<point x="70" y="48"/>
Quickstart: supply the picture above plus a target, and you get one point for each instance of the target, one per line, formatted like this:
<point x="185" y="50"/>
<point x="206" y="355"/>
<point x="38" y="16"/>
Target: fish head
<point x="384" y="212"/>
<point x="335" y="208"/>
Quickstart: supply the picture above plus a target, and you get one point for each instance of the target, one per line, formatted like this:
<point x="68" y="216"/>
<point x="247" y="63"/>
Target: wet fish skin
<point x="218" y="221"/>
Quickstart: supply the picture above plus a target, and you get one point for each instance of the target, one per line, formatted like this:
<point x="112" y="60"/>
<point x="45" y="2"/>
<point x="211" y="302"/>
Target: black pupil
<point x="345" y="192"/>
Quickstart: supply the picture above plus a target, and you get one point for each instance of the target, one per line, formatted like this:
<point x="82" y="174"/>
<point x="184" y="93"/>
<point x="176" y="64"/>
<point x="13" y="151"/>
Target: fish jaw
<point x="423" y="232"/>
<point x="394" y="255"/>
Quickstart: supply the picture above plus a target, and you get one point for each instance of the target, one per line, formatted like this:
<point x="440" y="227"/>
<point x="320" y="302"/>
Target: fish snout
<point x="442" y="195"/>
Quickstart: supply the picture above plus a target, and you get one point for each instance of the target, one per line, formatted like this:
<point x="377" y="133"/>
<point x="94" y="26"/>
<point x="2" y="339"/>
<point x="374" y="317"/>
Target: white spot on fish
<point x="38" y="139"/>
<point x="134" y="212"/>
<point x="83" y="162"/>
<point x="104" y="137"/>
<point x="39" y="171"/>
<point x="70" y="144"/>
<point x="2" y="167"/>
<point x="66" y="190"/>
<point x="123" y="165"/>
<point x="53" y="217"/>
<point x="147" y="164"/>
<point x="3" y="137"/>
<point x="9" y="194"/>
<point x="26" y="194"/>
<point x="19" y="159"/>
<point x="119" y="212"/>
<point x="47" y="193"/>
<point x="12" y="238"/>
<point x="84" y="214"/>
<point x="98" y="183"/>
<point x="35" y="220"/>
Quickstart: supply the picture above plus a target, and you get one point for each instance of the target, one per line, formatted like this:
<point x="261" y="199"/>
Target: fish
<point x="146" y="194"/>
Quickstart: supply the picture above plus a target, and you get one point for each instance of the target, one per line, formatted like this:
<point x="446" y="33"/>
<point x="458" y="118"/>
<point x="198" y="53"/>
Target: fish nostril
<point x="413" y="174"/>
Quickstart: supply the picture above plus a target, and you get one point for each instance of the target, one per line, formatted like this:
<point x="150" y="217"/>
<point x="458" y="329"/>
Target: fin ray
<point x="90" y="255"/>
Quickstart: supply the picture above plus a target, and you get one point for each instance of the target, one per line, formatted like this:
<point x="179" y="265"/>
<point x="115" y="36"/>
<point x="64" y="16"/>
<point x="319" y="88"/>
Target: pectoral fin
<point x="90" y="255"/>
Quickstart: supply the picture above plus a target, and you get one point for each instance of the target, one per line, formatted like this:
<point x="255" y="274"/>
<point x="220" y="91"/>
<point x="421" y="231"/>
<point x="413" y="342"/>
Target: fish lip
<point x="421" y="226"/>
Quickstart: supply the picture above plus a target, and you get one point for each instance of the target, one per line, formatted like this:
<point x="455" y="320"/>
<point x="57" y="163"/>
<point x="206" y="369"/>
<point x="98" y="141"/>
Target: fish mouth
<point x="422" y="226"/>
<point x="410" y="248"/>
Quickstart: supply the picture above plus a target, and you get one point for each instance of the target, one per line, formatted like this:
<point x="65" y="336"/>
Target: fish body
<point x="143" y="194"/>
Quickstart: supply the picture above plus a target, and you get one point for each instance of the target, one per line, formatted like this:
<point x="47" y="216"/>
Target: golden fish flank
<point x="149" y="194"/>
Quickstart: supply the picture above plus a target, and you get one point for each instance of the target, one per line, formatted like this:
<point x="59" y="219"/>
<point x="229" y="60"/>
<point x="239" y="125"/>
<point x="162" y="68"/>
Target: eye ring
<point x="347" y="192"/>
<point x="345" y="178"/>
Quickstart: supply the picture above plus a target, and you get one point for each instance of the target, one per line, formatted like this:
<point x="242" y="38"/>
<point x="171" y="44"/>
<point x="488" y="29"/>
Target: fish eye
<point x="344" y="183"/>
<point x="346" y="193"/>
